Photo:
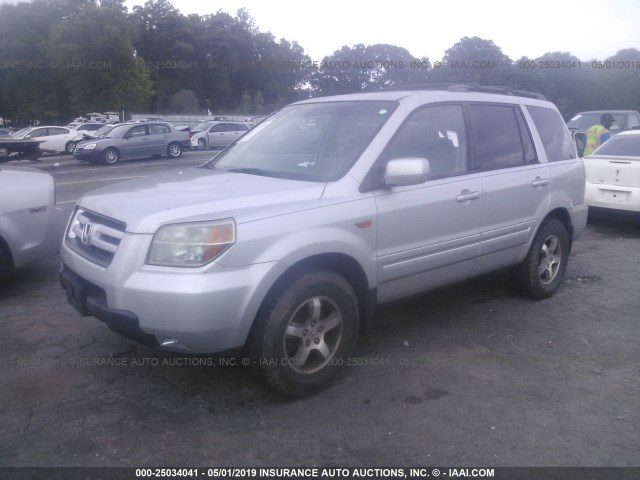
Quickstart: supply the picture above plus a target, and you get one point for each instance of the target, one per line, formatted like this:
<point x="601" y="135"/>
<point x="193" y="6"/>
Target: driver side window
<point x="436" y="133"/>
<point x="138" y="131"/>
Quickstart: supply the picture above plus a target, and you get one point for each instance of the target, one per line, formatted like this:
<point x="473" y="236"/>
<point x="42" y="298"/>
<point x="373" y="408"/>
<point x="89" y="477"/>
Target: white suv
<point x="283" y="246"/>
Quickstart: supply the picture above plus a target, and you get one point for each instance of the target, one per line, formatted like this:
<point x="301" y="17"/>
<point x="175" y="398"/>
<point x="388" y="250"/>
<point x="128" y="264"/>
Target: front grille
<point x="94" y="236"/>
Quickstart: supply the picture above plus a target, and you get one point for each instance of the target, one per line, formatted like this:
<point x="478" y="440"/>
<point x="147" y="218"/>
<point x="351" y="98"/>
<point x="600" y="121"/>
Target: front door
<point x="428" y="234"/>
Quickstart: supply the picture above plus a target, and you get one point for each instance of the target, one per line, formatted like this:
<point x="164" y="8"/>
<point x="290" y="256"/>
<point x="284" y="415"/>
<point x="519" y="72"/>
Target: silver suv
<point x="282" y="247"/>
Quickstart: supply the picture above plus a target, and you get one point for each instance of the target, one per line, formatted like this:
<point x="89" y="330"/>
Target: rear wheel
<point x="542" y="271"/>
<point x="202" y="144"/>
<point x="174" y="150"/>
<point x="305" y="332"/>
<point x="111" y="156"/>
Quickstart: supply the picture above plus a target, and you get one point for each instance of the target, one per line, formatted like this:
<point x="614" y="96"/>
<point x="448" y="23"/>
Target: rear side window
<point x="497" y="136"/>
<point x="553" y="133"/>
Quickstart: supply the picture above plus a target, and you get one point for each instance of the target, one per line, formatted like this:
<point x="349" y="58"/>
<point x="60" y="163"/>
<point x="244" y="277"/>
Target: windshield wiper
<point x="250" y="171"/>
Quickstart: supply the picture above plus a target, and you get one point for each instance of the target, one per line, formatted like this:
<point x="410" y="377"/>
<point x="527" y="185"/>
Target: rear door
<point x="515" y="185"/>
<point x="158" y="138"/>
<point x="58" y="138"/>
<point x="224" y="134"/>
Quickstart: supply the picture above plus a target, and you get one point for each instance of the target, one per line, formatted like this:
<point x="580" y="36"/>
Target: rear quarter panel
<point x="26" y="202"/>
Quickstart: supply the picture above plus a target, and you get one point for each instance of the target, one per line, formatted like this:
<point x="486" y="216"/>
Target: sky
<point x="587" y="29"/>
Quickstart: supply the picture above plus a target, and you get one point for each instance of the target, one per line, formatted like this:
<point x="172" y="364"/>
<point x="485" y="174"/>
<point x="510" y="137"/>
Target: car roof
<point x="48" y="126"/>
<point x="606" y="111"/>
<point x="463" y="92"/>
<point x="221" y="121"/>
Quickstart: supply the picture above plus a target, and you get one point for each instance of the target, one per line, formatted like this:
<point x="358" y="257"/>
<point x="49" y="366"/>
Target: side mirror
<point x="406" y="171"/>
<point x="27" y="136"/>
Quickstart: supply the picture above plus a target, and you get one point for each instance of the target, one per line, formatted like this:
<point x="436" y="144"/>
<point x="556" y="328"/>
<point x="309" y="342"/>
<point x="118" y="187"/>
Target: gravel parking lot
<point x="472" y="375"/>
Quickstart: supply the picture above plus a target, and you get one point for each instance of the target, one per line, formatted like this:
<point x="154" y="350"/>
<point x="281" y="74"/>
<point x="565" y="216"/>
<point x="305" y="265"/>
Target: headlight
<point x="89" y="146"/>
<point x="191" y="244"/>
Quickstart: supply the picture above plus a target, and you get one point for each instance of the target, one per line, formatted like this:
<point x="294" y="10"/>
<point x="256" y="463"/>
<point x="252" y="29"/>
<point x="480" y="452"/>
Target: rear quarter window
<point x="555" y="137"/>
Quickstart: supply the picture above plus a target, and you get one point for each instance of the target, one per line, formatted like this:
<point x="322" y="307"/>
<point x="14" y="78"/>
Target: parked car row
<point x="283" y="246"/>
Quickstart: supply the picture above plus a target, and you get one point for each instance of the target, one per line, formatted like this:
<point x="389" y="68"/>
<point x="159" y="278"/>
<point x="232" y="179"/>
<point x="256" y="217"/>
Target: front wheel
<point x="305" y="332"/>
<point x="5" y="267"/>
<point x="111" y="156"/>
<point x="69" y="148"/>
<point x="542" y="271"/>
<point x="174" y="150"/>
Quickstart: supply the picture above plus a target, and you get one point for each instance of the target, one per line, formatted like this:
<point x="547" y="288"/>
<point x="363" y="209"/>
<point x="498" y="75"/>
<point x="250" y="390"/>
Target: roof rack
<point x="469" y="87"/>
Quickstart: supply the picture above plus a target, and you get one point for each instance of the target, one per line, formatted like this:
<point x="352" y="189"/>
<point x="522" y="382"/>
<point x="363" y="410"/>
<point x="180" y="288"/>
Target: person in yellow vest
<point x="598" y="134"/>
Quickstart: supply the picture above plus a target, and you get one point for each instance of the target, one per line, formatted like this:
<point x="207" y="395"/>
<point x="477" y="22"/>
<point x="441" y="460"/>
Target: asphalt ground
<point x="472" y="375"/>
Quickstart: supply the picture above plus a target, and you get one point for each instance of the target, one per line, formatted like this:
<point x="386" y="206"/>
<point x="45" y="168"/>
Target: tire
<point x="174" y="150"/>
<point x="304" y="333"/>
<point x="5" y="266"/>
<point x="111" y="156"/>
<point x="69" y="148"/>
<point x="542" y="271"/>
<point x="202" y="144"/>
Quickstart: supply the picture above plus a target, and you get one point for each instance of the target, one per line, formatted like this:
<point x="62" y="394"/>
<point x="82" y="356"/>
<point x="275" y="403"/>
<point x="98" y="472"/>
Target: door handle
<point x="466" y="196"/>
<point x="540" y="182"/>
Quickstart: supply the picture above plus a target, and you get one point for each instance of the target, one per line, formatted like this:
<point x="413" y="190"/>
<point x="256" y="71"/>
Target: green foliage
<point x="370" y="67"/>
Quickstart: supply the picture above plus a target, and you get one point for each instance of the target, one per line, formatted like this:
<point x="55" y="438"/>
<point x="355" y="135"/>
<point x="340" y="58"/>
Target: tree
<point x="184" y="101"/>
<point x="165" y="39"/>
<point x="357" y="68"/>
<point x="95" y="55"/>
<point x="474" y="60"/>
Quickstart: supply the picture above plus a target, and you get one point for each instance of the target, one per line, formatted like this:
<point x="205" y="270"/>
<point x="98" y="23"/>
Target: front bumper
<point x="88" y="155"/>
<point x="205" y="310"/>
<point x="89" y="299"/>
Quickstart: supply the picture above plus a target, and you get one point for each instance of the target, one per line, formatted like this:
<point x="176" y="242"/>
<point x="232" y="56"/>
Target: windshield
<point x="21" y="133"/>
<point x="621" y="146"/>
<point x="202" y="126"/>
<point x="118" y="132"/>
<point x="315" y="141"/>
<point x="583" y="121"/>
<point x="103" y="130"/>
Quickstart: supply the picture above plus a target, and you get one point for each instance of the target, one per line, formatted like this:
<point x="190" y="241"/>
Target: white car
<point x="31" y="226"/>
<point x="53" y="139"/>
<point x="217" y="134"/>
<point x="613" y="173"/>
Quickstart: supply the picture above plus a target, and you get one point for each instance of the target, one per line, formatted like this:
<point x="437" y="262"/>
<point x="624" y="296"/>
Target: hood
<point x="199" y="194"/>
